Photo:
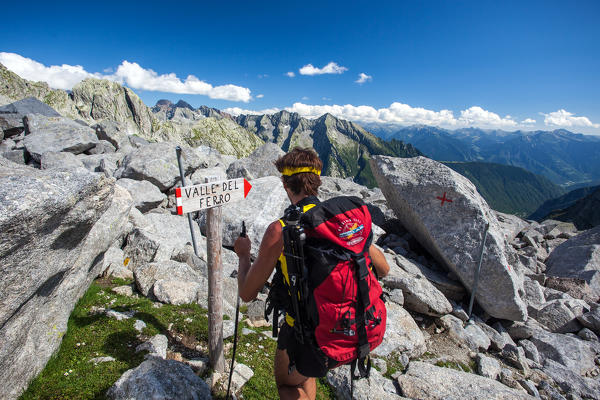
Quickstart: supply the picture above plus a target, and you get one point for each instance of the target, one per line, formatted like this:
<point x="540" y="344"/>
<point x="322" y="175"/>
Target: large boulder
<point x="591" y="319"/>
<point x="578" y="257"/>
<point x="56" y="226"/>
<point x="471" y="336"/>
<point x="116" y="133"/>
<point x="374" y="387"/>
<point x="213" y="158"/>
<point x="160" y="379"/>
<point x="44" y="134"/>
<point x="107" y="163"/>
<point x="402" y="334"/>
<point x="145" y="195"/>
<point x="11" y="115"/>
<point x="169" y="281"/>
<point x="161" y="237"/>
<point x="420" y="295"/>
<point x="444" y="212"/>
<point x="560" y="315"/>
<point x="61" y="160"/>
<point x="511" y="224"/>
<point x="157" y="164"/>
<point x="569" y="351"/>
<point x="426" y="381"/>
<point x="258" y="164"/>
<point x="571" y="382"/>
<point x="376" y="202"/>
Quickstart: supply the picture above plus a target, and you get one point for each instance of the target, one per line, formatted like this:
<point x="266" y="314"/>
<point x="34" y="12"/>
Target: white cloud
<point x="260" y="96"/>
<point x="397" y="113"/>
<point x="66" y="76"/>
<point x="261" y="76"/>
<point x="331" y="68"/>
<point x="57" y="76"/>
<point x="238" y="111"/>
<point x="477" y="116"/>
<point x="566" y="119"/>
<point x="528" y="121"/>
<point x="137" y="77"/>
<point x="326" y="98"/>
<point x="362" y="78"/>
<point x="290" y="74"/>
<point x="304" y="98"/>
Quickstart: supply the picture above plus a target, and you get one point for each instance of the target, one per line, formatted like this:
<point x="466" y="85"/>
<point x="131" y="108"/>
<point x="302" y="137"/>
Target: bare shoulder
<point x="273" y="234"/>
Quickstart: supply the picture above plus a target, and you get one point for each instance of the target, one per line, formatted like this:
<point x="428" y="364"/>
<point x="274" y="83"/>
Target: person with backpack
<point x="325" y="280"/>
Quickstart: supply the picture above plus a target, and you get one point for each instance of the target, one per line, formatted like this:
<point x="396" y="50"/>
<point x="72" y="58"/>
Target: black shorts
<point x="309" y="361"/>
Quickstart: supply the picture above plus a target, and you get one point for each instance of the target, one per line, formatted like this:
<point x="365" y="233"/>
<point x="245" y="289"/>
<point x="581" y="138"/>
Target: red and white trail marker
<point x="212" y="194"/>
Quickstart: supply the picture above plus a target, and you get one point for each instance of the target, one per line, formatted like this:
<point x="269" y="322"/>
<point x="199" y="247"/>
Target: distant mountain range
<point x="506" y="188"/>
<point x="564" y="157"/>
<point x="344" y="146"/>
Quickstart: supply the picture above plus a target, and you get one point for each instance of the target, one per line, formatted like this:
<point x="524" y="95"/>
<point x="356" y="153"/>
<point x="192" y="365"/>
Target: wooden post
<point x="214" y="241"/>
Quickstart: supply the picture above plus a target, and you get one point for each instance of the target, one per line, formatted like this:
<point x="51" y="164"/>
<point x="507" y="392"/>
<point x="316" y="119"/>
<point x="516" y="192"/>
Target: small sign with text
<point x="212" y="194"/>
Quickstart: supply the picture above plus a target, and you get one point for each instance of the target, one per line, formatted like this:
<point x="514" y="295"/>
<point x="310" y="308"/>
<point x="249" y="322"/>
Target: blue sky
<point x="515" y="65"/>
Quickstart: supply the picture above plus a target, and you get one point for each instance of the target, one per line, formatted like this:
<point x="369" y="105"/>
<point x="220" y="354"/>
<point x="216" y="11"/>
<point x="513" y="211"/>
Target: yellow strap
<point x="289" y="319"/>
<point x="307" y="207"/>
<point x="289" y="171"/>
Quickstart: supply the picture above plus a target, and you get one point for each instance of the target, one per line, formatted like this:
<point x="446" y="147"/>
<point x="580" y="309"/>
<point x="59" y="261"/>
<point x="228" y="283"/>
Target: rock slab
<point x="444" y="212"/>
<point x="426" y="381"/>
<point x="55" y="227"/>
<point x="159" y="379"/>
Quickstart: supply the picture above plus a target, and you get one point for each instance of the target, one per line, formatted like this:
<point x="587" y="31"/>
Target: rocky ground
<point x="81" y="201"/>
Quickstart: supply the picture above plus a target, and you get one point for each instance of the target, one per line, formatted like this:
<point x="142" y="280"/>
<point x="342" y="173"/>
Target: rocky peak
<point x="213" y="112"/>
<point x="183" y="104"/>
<point x="162" y="105"/>
<point x="100" y="99"/>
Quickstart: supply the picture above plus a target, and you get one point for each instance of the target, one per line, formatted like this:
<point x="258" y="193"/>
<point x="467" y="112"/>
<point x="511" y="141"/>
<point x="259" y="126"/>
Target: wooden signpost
<point x="211" y="195"/>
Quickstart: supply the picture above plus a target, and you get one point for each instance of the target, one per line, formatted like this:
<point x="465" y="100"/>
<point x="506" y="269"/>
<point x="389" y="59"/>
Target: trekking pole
<point x="235" y="329"/>
<point x="189" y="215"/>
<point x="487" y="226"/>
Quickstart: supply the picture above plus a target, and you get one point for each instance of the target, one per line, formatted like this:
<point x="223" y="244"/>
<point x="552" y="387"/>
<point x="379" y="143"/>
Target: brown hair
<point x="303" y="181"/>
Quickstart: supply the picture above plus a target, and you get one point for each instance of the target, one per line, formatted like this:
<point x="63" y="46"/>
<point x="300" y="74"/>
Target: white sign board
<point x="212" y="194"/>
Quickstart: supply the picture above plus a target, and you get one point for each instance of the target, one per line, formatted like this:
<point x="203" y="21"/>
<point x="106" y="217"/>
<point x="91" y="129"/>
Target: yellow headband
<point x="288" y="171"/>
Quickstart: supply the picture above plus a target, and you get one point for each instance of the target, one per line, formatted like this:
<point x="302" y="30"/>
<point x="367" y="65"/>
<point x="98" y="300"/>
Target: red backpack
<point x="330" y="294"/>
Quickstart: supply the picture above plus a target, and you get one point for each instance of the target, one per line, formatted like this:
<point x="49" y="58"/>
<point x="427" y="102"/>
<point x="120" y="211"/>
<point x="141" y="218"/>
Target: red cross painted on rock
<point x="444" y="199"/>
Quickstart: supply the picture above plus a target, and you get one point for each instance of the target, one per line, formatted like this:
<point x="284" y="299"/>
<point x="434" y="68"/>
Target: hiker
<point x="300" y="170"/>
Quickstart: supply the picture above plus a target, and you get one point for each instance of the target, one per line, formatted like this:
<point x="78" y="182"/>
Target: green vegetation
<point x="70" y="375"/>
<point x="508" y="189"/>
<point x="393" y="365"/>
<point x="459" y="366"/>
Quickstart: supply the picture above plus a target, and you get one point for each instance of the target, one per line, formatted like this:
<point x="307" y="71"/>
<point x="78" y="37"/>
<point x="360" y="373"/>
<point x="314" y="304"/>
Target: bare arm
<point x="251" y="278"/>
<point x="379" y="262"/>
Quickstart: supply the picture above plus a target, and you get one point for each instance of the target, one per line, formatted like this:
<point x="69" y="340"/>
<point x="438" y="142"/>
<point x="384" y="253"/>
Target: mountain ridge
<point x="562" y="156"/>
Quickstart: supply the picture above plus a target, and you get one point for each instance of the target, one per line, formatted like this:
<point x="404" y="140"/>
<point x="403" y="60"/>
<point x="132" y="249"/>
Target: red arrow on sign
<point x="247" y="187"/>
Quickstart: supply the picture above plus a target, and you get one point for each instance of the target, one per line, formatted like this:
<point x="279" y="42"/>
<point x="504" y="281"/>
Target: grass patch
<point x="70" y="375"/>
<point x="459" y="366"/>
<point x="91" y="334"/>
<point x="394" y="364"/>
